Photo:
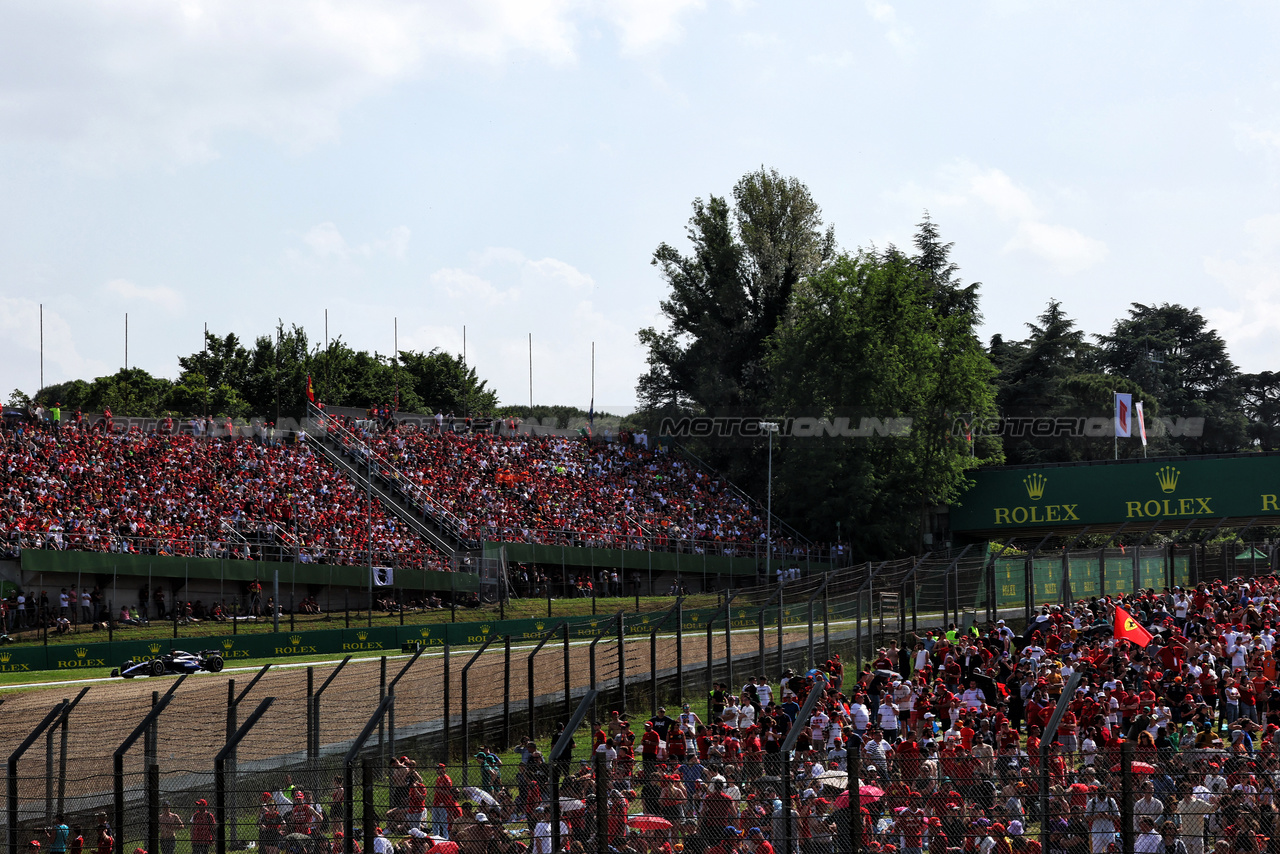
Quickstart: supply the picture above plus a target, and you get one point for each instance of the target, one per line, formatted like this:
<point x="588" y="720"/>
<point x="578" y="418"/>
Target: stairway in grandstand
<point x="406" y="504"/>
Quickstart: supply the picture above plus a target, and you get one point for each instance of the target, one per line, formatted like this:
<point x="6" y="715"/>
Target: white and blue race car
<point x="176" y="661"/>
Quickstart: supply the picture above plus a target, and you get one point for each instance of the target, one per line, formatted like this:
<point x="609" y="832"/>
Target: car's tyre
<point x="157" y="667"/>
<point x="124" y="669"/>
<point x="213" y="665"/>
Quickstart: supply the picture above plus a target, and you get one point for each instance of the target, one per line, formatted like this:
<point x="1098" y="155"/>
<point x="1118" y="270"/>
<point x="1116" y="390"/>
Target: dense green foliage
<point x="270" y="380"/>
<point x="766" y="319"/>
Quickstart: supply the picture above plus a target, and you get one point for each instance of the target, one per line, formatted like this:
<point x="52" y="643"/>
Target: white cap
<point x="481" y="817"/>
<point x="417" y="833"/>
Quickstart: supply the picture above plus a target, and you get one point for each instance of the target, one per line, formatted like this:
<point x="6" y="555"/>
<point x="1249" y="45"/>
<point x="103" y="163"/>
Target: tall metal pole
<point x="769" y="427"/>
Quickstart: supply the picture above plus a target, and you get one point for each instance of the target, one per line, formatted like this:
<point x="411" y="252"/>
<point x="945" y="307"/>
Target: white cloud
<point x="21" y="329"/>
<point x="1065" y="248"/>
<point x="123" y="82"/>
<point x="994" y="192"/>
<point x="326" y="242"/>
<point x="997" y="191"/>
<point x="645" y="24"/>
<point x="544" y="279"/>
<point x="161" y="296"/>
<point x="898" y="34"/>
<point x="499" y="291"/>
<point x="1248" y="314"/>
<point x="460" y="284"/>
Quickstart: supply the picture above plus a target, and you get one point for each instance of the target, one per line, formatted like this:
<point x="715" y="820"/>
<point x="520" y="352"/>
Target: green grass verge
<point x="517" y="609"/>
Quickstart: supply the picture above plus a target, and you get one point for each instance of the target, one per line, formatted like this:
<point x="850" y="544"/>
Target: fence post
<point x="220" y="778"/>
<point x="153" y="807"/>
<point x="311" y="711"/>
<point x="622" y="657"/>
<point x="653" y="671"/>
<point x="445" y="716"/>
<point x="788" y="744"/>
<point x="369" y="813"/>
<point x="602" y="803"/>
<point x="555" y="758"/>
<point x="466" y="717"/>
<point x="728" y="643"/>
<point x="781" y="639"/>
<point x="383" y="759"/>
<point x="679" y="652"/>
<point x="1126" y="796"/>
<point x="529" y="663"/>
<point x="391" y="709"/>
<point x="48" y="773"/>
<point x="53" y="715"/>
<point x="348" y="775"/>
<point x="315" y="702"/>
<point x="854" y="807"/>
<point x="568" y="704"/>
<point x="62" y="754"/>
<point x="117" y="760"/>
<point x="506" y="693"/>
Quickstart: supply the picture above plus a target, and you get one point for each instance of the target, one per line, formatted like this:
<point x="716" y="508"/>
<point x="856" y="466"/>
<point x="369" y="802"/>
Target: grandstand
<point x="431" y="501"/>
<point x="179" y="495"/>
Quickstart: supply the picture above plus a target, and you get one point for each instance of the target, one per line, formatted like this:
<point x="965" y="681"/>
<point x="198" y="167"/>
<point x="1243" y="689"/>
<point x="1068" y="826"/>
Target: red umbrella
<point x="1138" y="768"/>
<point x="648" y="822"/>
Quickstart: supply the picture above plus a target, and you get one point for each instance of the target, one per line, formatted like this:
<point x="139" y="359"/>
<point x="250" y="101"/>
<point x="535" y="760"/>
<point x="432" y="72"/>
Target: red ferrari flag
<point x="311" y="392"/>
<point x="1127" y="628"/>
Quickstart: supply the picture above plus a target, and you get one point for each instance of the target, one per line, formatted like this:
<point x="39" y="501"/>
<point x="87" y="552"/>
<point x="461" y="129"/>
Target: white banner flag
<point x="383" y="576"/>
<point x="1142" y="423"/>
<point x="1124" y="411"/>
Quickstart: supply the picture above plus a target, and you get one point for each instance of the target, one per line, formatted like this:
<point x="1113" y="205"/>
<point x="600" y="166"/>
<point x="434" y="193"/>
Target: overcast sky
<point x="510" y="165"/>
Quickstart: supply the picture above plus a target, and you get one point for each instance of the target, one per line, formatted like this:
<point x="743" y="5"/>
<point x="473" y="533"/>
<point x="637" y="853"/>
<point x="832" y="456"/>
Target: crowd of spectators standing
<point x="945" y="735"/>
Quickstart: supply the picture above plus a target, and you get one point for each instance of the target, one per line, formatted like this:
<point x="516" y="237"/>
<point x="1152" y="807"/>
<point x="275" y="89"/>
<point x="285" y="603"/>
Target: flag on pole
<point x="1142" y="423"/>
<point x="1127" y="628"/>
<point x="311" y="392"/>
<point x="1124" y="409"/>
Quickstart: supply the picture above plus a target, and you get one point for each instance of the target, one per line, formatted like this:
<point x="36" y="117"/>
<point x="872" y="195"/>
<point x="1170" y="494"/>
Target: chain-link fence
<point x="113" y="755"/>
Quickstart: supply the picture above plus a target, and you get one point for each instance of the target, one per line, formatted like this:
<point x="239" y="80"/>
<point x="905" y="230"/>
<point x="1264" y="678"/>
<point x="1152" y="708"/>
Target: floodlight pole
<point x="769" y="427"/>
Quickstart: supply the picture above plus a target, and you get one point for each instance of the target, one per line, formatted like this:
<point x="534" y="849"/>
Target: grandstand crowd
<point x="180" y="494"/>
<point x="200" y="488"/>
<point x="504" y="484"/>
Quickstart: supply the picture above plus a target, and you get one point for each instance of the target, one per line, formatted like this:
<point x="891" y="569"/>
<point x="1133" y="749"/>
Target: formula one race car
<point x="176" y="661"/>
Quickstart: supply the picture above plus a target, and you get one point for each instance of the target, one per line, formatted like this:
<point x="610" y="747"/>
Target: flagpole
<point x="530" y="374"/>
<point x="1115" y="429"/>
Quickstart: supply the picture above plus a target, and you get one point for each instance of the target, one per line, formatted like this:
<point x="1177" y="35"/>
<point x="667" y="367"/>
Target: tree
<point x="1261" y="398"/>
<point x="129" y="391"/>
<point x="445" y="383"/>
<point x="1171" y="352"/>
<point x="276" y="384"/>
<point x="867" y="337"/>
<point x="727" y="297"/>
<point x="949" y="296"/>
